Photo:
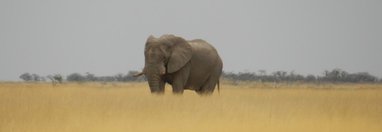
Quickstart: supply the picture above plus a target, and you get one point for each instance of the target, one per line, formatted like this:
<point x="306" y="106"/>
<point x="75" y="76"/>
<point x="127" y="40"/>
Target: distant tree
<point x="90" y="77"/>
<point x="26" y="77"/>
<point x="310" y="78"/>
<point x="230" y="76"/>
<point x="246" y="76"/>
<point x="280" y="75"/>
<point x="120" y="77"/>
<point x="75" y="77"/>
<point x="295" y="77"/>
<point x="336" y="75"/>
<point x="36" y="77"/>
<point x="364" y="77"/>
<point x="50" y="77"/>
<point x="57" y="78"/>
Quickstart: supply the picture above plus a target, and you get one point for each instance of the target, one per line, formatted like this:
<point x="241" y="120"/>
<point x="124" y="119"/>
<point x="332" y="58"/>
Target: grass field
<point x="246" y="107"/>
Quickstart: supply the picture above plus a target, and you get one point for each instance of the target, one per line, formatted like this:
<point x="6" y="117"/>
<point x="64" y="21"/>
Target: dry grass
<point x="28" y="107"/>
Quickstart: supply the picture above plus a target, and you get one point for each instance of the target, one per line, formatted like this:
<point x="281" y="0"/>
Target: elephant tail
<point x="218" y="86"/>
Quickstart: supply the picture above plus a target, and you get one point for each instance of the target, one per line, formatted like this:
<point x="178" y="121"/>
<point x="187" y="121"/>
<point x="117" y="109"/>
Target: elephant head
<point x="164" y="55"/>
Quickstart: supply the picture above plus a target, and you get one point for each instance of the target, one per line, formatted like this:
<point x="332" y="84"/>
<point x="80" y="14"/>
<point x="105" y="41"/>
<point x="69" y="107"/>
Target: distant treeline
<point x="333" y="76"/>
<point x="87" y="77"/>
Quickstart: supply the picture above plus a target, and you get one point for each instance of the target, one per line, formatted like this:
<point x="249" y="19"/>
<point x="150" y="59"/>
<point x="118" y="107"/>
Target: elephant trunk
<point x="156" y="84"/>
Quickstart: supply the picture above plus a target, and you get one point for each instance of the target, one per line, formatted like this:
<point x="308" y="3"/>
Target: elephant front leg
<point x="178" y="84"/>
<point x="177" y="89"/>
<point x="180" y="80"/>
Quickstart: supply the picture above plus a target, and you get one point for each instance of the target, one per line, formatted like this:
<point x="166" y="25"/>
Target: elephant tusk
<point x="138" y="74"/>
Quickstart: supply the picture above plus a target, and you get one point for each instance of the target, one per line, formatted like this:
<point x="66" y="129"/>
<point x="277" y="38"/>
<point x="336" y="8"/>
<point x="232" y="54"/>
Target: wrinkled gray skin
<point x="193" y="65"/>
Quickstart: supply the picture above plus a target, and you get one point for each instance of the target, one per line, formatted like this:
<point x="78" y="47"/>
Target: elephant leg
<point x="209" y="86"/>
<point x="180" y="80"/>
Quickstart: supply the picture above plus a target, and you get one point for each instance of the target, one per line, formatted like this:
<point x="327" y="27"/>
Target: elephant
<point x="184" y="64"/>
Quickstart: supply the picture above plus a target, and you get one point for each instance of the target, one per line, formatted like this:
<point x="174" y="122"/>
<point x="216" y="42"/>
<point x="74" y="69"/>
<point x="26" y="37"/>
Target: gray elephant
<point x="193" y="65"/>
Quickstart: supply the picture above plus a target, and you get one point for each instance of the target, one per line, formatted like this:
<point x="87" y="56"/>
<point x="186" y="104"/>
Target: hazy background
<point x="107" y="37"/>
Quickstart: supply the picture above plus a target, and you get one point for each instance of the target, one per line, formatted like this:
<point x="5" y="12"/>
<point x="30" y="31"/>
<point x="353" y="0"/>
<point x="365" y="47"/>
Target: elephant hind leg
<point x="209" y="86"/>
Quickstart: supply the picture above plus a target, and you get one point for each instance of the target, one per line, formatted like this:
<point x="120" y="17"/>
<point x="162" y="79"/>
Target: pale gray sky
<point x="107" y="37"/>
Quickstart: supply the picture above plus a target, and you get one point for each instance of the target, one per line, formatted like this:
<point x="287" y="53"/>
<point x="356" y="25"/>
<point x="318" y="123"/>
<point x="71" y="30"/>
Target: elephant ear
<point x="180" y="56"/>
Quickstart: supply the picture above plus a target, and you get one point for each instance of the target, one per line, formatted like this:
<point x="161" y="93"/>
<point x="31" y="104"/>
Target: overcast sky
<point x="107" y="37"/>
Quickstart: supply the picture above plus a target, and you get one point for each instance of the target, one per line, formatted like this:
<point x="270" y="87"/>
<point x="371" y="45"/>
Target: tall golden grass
<point x="244" y="107"/>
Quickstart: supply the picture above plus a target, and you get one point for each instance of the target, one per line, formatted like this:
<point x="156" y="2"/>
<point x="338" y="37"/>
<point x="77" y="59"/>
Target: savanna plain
<point x="239" y="107"/>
